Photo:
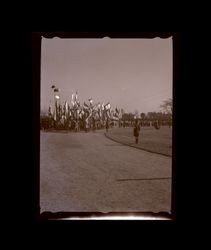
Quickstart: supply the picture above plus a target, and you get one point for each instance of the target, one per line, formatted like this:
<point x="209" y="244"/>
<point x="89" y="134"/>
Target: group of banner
<point x="82" y="112"/>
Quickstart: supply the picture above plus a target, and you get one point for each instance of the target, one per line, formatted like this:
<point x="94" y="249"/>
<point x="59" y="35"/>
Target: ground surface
<point x="154" y="140"/>
<point x="87" y="172"/>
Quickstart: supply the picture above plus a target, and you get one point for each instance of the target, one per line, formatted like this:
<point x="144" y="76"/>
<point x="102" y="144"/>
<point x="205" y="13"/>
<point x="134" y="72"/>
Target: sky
<point x="133" y="74"/>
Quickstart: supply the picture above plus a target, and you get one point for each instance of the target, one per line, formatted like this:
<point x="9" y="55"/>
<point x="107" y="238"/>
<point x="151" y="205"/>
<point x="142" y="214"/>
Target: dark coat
<point x="136" y="131"/>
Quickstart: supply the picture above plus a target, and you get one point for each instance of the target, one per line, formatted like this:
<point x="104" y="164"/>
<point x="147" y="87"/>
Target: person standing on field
<point x="136" y="132"/>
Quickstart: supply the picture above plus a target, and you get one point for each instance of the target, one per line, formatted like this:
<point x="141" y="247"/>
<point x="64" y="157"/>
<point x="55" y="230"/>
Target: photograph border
<point x="36" y="81"/>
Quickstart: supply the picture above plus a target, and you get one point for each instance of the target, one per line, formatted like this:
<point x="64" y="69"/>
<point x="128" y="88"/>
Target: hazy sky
<point x="133" y="74"/>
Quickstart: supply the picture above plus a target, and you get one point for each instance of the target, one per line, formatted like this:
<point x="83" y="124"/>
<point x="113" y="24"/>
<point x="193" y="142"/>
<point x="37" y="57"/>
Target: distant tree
<point x="159" y="115"/>
<point x="152" y="115"/>
<point x="125" y="116"/>
<point x="143" y="116"/>
<point x="167" y="106"/>
<point x="128" y="116"/>
<point x="136" y="114"/>
<point x="131" y="116"/>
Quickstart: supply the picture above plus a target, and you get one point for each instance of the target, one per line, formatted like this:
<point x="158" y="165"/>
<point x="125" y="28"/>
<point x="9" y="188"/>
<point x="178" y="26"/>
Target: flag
<point x="55" y="111"/>
<point x="100" y="113"/>
<point x="75" y="99"/>
<point x="65" y="110"/>
<point x="60" y="112"/>
<point x="77" y="114"/>
<point x="115" y="118"/>
<point x="107" y="106"/>
<point x="66" y="107"/>
<point x="54" y="115"/>
<point x="95" y="107"/>
<point x="98" y="106"/>
<point x="50" y="111"/>
<point x="108" y="113"/>
<point x="97" y="117"/>
<point x="78" y="104"/>
<point x="53" y="86"/>
<point x="90" y="101"/>
<point x="85" y="106"/>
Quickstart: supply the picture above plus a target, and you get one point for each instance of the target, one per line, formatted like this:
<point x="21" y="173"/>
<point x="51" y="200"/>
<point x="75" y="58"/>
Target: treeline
<point x="155" y="119"/>
<point x="150" y="116"/>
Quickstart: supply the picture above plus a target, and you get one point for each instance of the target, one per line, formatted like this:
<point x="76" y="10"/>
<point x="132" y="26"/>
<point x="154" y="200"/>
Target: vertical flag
<point x="72" y="101"/>
<point x="66" y="109"/>
<point x="50" y="111"/>
<point x="103" y="106"/>
<point x="55" y="111"/>
<point x="90" y="101"/>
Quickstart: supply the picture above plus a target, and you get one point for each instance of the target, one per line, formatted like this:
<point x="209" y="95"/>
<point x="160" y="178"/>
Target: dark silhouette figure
<point x="107" y="125"/>
<point x="136" y="132"/>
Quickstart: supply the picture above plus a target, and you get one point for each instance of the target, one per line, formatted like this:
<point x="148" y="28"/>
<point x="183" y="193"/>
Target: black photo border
<point x="35" y="47"/>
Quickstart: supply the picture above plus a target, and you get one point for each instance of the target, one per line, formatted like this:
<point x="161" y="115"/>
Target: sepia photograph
<point x="106" y="118"/>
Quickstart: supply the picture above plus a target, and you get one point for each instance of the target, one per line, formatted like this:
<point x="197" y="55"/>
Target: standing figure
<point x="107" y="125"/>
<point x="136" y="132"/>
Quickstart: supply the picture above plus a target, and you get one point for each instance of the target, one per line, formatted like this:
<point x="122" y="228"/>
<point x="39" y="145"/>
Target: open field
<point x="87" y="172"/>
<point x="150" y="139"/>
